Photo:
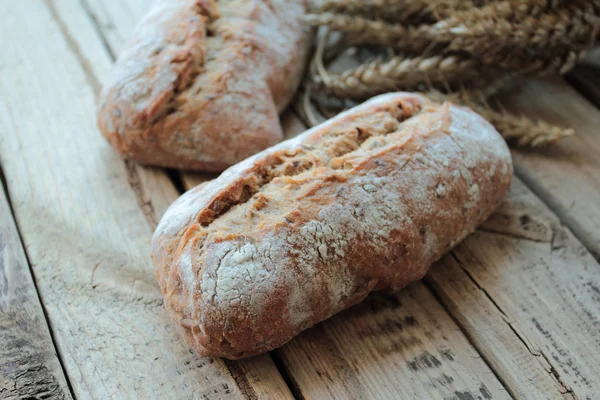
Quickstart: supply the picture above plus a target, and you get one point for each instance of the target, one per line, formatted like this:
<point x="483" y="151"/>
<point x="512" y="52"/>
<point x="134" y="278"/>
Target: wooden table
<point x="513" y="312"/>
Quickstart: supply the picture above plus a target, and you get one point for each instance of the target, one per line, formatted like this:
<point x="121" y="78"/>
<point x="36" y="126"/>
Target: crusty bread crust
<point x="366" y="201"/>
<point x="201" y="82"/>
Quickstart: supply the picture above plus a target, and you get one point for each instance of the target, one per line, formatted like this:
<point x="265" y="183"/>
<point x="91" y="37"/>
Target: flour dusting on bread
<point x="366" y="201"/>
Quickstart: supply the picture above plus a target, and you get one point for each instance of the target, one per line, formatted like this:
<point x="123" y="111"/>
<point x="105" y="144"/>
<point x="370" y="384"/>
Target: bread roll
<point x="201" y="82"/>
<point x="285" y="239"/>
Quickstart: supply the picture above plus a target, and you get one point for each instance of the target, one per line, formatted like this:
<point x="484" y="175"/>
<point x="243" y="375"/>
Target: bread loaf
<point x="366" y="201"/>
<point x="201" y="82"/>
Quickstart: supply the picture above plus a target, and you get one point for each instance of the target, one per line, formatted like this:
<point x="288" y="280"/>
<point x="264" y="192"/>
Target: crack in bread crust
<point x="366" y="201"/>
<point x="187" y="62"/>
<point x="328" y="151"/>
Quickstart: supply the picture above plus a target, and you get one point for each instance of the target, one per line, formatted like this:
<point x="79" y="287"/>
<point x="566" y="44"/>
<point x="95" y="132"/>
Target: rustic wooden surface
<point x="29" y="365"/>
<point x="513" y="312"/>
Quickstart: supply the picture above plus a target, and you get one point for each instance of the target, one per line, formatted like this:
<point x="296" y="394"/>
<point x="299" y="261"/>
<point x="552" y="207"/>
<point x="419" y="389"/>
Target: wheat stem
<point x="406" y="11"/>
<point x="366" y="31"/>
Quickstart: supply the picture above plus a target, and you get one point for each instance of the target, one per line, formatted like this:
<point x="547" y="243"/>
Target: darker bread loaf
<point x="285" y="239"/>
<point x="201" y="82"/>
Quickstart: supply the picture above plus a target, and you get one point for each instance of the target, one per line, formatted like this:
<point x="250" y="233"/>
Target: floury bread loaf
<point x="200" y="84"/>
<point x="285" y="239"/>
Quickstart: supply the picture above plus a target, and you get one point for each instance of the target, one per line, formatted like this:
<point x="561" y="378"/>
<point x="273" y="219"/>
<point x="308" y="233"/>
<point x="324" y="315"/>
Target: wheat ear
<point x="518" y="129"/>
<point x="398" y="73"/>
<point x="523" y="131"/>
<point x="496" y="28"/>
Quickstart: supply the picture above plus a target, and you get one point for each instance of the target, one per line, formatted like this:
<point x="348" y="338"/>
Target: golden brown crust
<point x="285" y="239"/>
<point x="201" y="83"/>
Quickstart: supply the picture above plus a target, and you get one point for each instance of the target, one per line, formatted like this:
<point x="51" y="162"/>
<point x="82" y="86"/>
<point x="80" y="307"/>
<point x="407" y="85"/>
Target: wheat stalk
<point x="496" y="27"/>
<point x="407" y="11"/>
<point x="486" y="31"/>
<point x="450" y="43"/>
<point x="412" y="73"/>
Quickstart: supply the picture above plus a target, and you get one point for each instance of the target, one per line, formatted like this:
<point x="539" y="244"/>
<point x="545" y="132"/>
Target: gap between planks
<point x="585" y="76"/>
<point x="29" y="362"/>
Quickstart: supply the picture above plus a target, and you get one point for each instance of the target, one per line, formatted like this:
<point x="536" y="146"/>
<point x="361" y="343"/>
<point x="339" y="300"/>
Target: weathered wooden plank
<point x="116" y="19"/>
<point x="86" y="235"/>
<point x="153" y="187"/>
<point x="396" y="346"/>
<point x="29" y="365"/>
<point x="523" y="284"/>
<point x="566" y="175"/>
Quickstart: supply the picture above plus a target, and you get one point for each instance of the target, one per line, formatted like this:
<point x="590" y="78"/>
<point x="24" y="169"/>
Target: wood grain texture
<point x="526" y="292"/>
<point x="566" y="175"/>
<point x="396" y="346"/>
<point x="86" y="235"/>
<point x="29" y="365"/>
<point x="153" y="187"/>
<point x="116" y="19"/>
